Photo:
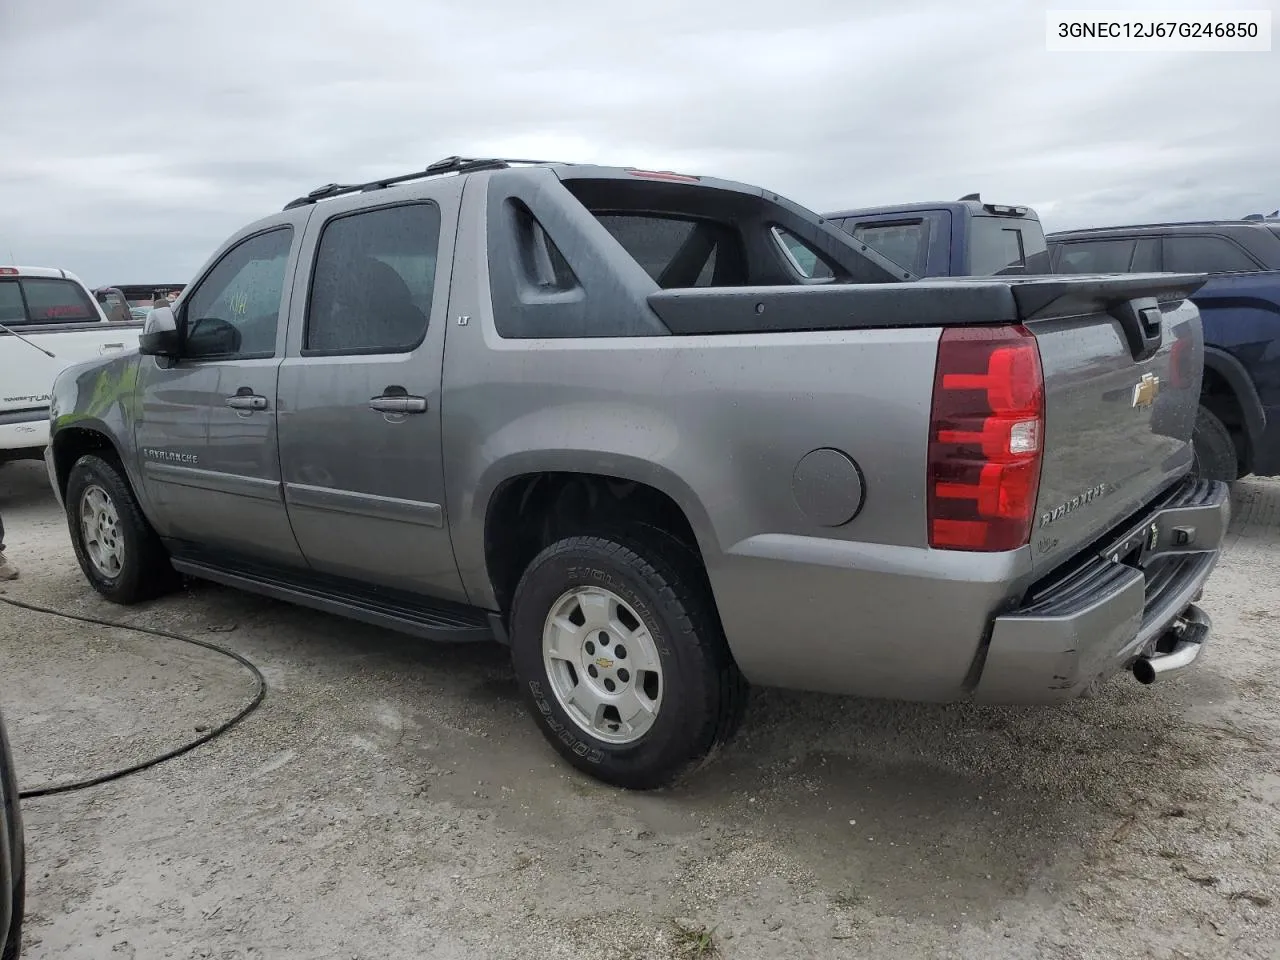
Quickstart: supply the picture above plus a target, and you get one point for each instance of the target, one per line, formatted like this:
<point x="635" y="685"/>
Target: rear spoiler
<point x="1043" y="298"/>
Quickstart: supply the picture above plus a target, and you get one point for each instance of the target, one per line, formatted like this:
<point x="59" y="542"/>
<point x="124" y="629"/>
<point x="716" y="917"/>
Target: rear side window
<point x="1205" y="254"/>
<point x="374" y="280"/>
<point x="47" y="300"/>
<point x="1095" y="256"/>
<point x="906" y="243"/>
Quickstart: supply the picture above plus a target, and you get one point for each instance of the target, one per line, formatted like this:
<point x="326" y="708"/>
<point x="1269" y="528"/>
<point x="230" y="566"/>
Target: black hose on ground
<point x="258" y="695"/>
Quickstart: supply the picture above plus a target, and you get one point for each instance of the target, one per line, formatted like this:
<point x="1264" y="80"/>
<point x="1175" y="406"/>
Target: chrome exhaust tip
<point x="1189" y="632"/>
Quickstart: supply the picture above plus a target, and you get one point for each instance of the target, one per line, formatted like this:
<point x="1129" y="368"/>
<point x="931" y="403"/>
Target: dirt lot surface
<point x="390" y="799"/>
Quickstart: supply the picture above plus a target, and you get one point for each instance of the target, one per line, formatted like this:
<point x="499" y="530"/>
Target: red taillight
<point x="8" y="271"/>
<point x="986" y="432"/>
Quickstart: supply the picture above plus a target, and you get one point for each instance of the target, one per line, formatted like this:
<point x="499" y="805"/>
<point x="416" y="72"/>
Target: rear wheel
<point x="620" y="656"/>
<point x="118" y="551"/>
<point x="1214" y="450"/>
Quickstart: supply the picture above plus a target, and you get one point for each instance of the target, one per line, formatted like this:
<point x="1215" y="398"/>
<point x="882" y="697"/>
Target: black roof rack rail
<point x="440" y="167"/>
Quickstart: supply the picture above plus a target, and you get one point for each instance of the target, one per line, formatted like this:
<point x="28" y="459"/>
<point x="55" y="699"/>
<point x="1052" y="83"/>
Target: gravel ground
<point x="390" y="799"/>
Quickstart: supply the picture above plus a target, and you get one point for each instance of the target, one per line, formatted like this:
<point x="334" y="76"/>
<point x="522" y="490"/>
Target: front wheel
<point x="118" y="551"/>
<point x="621" y="658"/>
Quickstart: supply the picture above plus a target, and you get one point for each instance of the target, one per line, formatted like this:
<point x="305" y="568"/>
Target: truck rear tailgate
<point x="1122" y="359"/>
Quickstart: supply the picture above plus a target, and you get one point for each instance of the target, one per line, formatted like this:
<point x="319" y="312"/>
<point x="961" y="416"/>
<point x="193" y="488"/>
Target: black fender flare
<point x="1233" y="372"/>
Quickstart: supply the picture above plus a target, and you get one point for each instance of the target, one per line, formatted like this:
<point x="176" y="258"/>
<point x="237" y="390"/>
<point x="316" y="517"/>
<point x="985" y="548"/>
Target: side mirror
<point x="160" y="336"/>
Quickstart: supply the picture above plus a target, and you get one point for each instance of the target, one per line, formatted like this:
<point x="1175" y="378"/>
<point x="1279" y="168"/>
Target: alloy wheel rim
<point x="100" y="529"/>
<point x="603" y="665"/>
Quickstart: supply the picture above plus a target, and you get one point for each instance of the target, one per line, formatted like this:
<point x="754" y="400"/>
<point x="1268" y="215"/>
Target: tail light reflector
<point x="986" y="436"/>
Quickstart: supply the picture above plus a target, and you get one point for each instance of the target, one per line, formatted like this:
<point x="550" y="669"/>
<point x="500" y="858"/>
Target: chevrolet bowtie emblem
<point x="1145" y="391"/>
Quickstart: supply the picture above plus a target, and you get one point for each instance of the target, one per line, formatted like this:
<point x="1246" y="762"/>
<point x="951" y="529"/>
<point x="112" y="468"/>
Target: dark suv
<point x="1238" y="426"/>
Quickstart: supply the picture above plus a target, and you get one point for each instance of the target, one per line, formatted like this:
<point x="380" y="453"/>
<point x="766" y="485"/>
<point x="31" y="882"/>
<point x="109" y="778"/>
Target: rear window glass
<point x="48" y="300"/>
<point x="11" y="308"/>
<point x="1095" y="256"/>
<point x="693" y="235"/>
<point x="1000" y="245"/>
<point x="676" y="251"/>
<point x="904" y="243"/>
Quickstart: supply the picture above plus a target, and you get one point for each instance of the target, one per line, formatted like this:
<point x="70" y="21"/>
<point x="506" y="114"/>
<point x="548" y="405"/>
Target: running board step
<point x="420" y="617"/>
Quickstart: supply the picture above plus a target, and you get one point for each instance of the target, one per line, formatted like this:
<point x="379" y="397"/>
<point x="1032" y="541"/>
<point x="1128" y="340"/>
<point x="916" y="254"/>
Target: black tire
<point x="1215" y="451"/>
<point x="13" y="942"/>
<point x="145" y="571"/>
<point x="703" y="693"/>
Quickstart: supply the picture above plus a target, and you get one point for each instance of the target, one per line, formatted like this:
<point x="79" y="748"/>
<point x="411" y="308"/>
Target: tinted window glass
<point x="236" y="309"/>
<point x="680" y="251"/>
<point x="11" y="308"/>
<point x="652" y="241"/>
<point x="997" y="245"/>
<point x="1095" y="256"/>
<point x="58" y="301"/>
<point x="903" y="243"/>
<point x="373" y="282"/>
<point x="1205" y="255"/>
<point x="1146" y="256"/>
<point x="802" y="257"/>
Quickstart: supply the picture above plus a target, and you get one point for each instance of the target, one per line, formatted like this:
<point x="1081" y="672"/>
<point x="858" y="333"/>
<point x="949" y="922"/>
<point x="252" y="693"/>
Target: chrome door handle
<point x="247" y="401"/>
<point x="398" y="404"/>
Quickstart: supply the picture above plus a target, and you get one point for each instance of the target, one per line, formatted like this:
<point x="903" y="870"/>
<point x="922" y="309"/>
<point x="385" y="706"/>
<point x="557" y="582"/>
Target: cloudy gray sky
<point x="138" y="133"/>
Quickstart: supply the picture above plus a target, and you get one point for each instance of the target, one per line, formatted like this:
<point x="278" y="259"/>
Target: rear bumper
<point x="1133" y="600"/>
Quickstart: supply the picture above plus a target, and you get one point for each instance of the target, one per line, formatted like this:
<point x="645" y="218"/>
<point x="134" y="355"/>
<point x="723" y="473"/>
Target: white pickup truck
<point x="48" y="321"/>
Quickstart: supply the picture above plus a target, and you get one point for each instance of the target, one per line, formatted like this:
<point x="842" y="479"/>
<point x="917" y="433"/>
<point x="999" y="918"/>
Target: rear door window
<point x="374" y="281"/>
<point x="47" y="300"/>
<point x="903" y="242"/>
<point x="1205" y="254"/>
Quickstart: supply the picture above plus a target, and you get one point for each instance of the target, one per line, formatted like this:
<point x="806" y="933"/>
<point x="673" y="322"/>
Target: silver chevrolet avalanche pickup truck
<point x="665" y="436"/>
